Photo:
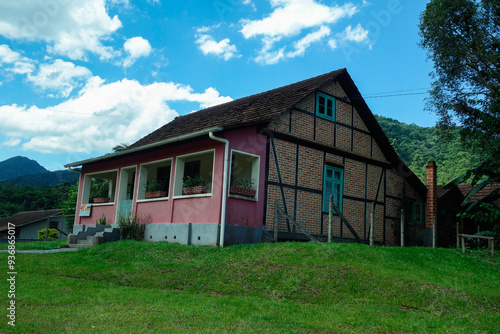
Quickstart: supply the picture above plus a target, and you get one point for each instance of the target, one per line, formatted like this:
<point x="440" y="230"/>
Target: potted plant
<point x="242" y="187"/>
<point x="156" y="188"/>
<point x="194" y="185"/>
<point x="100" y="191"/>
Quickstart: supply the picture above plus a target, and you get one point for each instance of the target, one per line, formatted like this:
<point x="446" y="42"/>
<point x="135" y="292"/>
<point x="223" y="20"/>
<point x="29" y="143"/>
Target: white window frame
<point x="87" y="184"/>
<point x="143" y="179"/>
<point x="255" y="174"/>
<point x="179" y="174"/>
<point x="124" y="183"/>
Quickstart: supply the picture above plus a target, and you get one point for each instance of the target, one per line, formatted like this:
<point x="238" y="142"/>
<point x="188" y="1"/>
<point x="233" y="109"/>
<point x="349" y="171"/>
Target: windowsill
<point x="252" y="199"/>
<point x="102" y="204"/>
<point x="192" y="196"/>
<point x="145" y="200"/>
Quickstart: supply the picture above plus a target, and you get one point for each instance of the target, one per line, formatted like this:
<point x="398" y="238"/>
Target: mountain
<point x="44" y="179"/>
<point x="19" y="166"/>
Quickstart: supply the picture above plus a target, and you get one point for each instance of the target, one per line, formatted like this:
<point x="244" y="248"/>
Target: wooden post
<point x="276" y="221"/>
<point x="458" y="232"/>
<point x="463" y="244"/>
<point x="330" y="218"/>
<point x="372" y="223"/>
<point x="434" y="232"/>
<point x="47" y="227"/>
<point x="402" y="227"/>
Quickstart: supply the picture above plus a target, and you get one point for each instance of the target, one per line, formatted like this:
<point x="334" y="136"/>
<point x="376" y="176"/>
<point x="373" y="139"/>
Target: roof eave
<point x="145" y="147"/>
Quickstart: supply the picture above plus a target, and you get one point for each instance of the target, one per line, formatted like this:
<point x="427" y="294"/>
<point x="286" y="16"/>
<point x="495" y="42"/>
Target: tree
<point x="462" y="38"/>
<point x="69" y="206"/>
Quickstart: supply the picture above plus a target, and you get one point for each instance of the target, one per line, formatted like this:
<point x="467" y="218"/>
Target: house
<point x="295" y="145"/>
<point x="28" y="223"/>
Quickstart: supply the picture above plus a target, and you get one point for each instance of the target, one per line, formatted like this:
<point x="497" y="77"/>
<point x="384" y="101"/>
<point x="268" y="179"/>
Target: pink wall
<point x="194" y="209"/>
<point x="243" y="212"/>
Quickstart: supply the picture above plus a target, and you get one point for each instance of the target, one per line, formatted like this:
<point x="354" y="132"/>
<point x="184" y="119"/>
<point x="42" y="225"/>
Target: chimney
<point x="431" y="204"/>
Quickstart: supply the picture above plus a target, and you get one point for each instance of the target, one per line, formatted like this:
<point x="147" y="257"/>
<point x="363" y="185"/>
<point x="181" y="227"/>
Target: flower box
<point x="242" y="191"/>
<point x="100" y="200"/>
<point x="194" y="190"/>
<point x="155" y="194"/>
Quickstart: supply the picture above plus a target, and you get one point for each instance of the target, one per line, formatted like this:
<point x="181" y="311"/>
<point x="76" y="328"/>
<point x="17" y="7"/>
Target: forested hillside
<point x="18" y="166"/>
<point x="416" y="145"/>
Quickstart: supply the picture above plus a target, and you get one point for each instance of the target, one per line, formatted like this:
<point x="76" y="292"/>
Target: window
<point x="197" y="167"/>
<point x="154" y="178"/>
<point x="99" y="188"/>
<point x="244" y="175"/>
<point x="417" y="216"/>
<point x="325" y="106"/>
<point x="332" y="185"/>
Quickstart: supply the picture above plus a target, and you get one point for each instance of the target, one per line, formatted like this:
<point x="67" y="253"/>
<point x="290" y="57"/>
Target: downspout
<point x="224" y="187"/>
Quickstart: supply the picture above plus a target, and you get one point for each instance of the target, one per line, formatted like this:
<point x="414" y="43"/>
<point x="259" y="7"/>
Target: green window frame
<point x="417" y="216"/>
<point x="325" y="106"/>
<point x="333" y="184"/>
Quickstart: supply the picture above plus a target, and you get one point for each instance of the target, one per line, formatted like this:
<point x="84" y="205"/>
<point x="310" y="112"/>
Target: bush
<point x="131" y="227"/>
<point x="52" y="234"/>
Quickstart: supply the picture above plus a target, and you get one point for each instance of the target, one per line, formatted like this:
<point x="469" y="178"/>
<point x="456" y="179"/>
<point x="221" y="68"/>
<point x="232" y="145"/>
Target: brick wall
<point x="361" y="178"/>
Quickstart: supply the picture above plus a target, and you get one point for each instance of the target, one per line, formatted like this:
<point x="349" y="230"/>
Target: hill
<point x="417" y="145"/>
<point x="44" y="179"/>
<point x="19" y="166"/>
<point x="156" y="287"/>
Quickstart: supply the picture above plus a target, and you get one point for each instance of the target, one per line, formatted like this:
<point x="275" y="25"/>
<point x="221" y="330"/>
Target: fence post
<point x="434" y="232"/>
<point x="276" y="221"/>
<point x="372" y="223"/>
<point x="330" y="218"/>
<point x="402" y="227"/>
<point x="458" y="232"/>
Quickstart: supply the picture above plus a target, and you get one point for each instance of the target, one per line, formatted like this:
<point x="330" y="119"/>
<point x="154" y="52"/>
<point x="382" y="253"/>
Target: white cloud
<point x="13" y="62"/>
<point x="208" y="45"/>
<point x="302" y="44"/>
<point x="289" y="19"/>
<point x="100" y="117"/>
<point x="61" y="76"/>
<point x="72" y="28"/>
<point x="136" y="47"/>
<point x="357" y="35"/>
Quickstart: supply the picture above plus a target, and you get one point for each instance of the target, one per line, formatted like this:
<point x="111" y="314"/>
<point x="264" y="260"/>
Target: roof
<point x="258" y="108"/>
<point x="466" y="188"/>
<point x="27" y="217"/>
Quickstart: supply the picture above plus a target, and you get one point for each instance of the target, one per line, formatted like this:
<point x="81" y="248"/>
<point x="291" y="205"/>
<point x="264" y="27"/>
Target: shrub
<point x="194" y="181"/>
<point x="51" y="235"/>
<point x="102" y="220"/>
<point x="131" y="227"/>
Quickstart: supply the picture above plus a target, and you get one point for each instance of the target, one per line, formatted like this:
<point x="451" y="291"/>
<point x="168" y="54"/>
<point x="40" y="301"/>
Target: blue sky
<point x="78" y="77"/>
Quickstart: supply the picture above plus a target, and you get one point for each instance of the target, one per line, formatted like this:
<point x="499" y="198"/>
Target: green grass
<point x="141" y="287"/>
<point x="36" y="244"/>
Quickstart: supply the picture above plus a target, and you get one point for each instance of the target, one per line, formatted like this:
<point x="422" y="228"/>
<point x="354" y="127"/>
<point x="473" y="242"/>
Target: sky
<point x="78" y="77"/>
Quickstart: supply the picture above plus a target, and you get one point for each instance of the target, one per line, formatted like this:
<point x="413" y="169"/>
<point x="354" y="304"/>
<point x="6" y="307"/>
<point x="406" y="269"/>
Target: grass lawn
<point x="37" y="244"/>
<point x="142" y="287"/>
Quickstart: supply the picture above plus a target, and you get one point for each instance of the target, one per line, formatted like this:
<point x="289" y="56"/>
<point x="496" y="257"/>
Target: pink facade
<point x="178" y="208"/>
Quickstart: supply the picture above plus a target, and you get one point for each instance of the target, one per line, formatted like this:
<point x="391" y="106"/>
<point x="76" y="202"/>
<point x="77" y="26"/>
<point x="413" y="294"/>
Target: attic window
<point x="325" y="106"/>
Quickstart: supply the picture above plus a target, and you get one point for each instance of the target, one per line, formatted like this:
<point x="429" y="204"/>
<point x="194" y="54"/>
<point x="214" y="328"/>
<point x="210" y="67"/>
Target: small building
<point x="295" y="145"/>
<point x="28" y="223"/>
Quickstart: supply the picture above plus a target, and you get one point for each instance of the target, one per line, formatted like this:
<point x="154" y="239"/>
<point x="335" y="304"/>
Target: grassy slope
<point x="133" y="287"/>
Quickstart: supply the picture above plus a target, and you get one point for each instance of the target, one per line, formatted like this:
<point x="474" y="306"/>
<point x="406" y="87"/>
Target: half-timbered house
<point x="294" y="146"/>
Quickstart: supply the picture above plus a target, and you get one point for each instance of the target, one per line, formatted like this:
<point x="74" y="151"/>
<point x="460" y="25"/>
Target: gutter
<point x="224" y="187"/>
<point x="145" y="147"/>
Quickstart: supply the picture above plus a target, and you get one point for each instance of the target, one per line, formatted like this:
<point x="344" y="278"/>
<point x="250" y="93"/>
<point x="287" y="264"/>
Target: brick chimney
<point x="431" y="204"/>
